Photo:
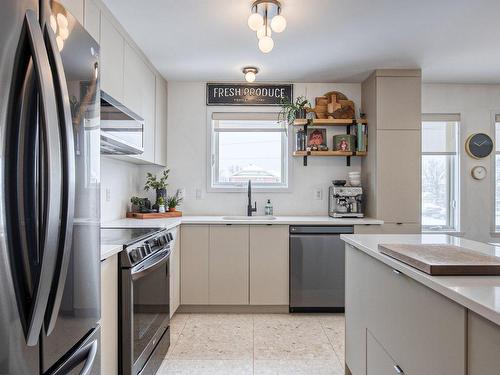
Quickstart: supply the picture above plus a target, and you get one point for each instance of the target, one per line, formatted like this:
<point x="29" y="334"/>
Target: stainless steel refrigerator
<point x="49" y="187"/>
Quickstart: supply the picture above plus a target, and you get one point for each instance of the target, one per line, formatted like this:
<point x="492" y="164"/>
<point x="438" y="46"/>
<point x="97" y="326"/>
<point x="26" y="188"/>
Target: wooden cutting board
<point x="153" y="215"/>
<point x="440" y="260"/>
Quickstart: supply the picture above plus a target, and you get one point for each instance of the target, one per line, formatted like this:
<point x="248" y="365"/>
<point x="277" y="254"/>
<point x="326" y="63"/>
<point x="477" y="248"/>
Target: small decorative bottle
<point x="269" y="208"/>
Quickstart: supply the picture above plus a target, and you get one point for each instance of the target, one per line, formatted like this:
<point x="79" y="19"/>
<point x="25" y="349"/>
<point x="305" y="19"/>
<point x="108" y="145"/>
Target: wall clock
<point x="479" y="145"/>
<point x="478" y="172"/>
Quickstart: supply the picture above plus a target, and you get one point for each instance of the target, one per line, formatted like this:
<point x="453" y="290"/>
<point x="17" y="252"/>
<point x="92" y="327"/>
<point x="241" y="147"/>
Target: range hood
<point x="122" y="131"/>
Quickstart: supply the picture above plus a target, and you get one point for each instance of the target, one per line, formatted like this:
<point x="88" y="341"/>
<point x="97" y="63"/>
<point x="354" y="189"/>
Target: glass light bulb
<point x="53" y="23"/>
<point x="278" y="23"/>
<point x="60" y="43"/>
<point x="255" y="21"/>
<point x="262" y="31"/>
<point x="266" y="44"/>
<point x="62" y="21"/>
<point x="64" y="33"/>
<point x="250" y="76"/>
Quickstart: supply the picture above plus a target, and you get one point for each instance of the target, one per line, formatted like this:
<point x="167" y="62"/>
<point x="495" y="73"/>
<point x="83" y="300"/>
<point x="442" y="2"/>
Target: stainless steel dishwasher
<point x="317" y="269"/>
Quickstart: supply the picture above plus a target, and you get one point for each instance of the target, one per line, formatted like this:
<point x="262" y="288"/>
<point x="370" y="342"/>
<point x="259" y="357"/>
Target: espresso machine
<point x="345" y="201"/>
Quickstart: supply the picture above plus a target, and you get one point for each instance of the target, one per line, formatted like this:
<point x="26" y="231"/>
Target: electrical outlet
<point x="108" y="194"/>
<point x="318" y="194"/>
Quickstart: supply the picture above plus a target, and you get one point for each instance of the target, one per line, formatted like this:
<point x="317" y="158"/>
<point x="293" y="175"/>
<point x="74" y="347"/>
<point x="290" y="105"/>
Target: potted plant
<point x="293" y="110"/>
<point x="136" y="204"/>
<point x="161" y="204"/>
<point x="174" y="201"/>
<point x="160" y="185"/>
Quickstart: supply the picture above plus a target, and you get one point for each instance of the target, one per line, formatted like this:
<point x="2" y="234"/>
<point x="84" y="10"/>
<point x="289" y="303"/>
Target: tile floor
<point x="260" y="344"/>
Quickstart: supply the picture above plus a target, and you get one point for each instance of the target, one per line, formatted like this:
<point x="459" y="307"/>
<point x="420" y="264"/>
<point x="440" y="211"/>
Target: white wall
<point x="123" y="180"/>
<point x="476" y="105"/>
<point x="187" y="158"/>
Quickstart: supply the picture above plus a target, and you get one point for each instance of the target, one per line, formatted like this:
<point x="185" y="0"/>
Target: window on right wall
<point x="497" y="173"/>
<point x="440" y="172"/>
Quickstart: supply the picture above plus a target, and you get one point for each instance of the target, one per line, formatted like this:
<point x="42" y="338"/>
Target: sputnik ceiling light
<point x="266" y="18"/>
<point x="250" y="73"/>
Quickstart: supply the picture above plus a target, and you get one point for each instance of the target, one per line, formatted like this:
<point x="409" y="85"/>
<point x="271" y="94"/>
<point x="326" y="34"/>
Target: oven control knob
<point x="170" y="236"/>
<point x="135" y="255"/>
<point x="147" y="248"/>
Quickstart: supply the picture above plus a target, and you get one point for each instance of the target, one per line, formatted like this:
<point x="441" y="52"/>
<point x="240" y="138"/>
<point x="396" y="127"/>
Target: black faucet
<point x="250" y="209"/>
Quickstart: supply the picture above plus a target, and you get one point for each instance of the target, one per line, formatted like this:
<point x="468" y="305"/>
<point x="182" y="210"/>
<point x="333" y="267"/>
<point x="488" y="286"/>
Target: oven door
<point x="145" y="310"/>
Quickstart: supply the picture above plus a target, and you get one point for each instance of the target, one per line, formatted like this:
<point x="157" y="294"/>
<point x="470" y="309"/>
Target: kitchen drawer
<point x="422" y="329"/>
<point x="378" y="361"/>
<point x="483" y="346"/>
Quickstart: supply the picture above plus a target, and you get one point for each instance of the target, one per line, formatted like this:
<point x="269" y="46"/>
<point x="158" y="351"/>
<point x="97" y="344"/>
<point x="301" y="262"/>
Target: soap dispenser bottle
<point x="269" y="208"/>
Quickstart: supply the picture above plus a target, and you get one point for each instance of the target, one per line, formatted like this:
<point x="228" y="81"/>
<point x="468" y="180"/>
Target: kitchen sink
<point x="234" y="218"/>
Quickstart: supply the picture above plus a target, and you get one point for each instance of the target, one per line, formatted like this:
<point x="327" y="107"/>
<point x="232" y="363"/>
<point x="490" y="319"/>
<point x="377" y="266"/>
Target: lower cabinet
<point x="109" y="316"/>
<point x="194" y="264"/>
<point x="484" y="345"/>
<point x="175" y="273"/>
<point x="378" y="361"/>
<point x="419" y="329"/>
<point x="269" y="265"/>
<point x="234" y="265"/>
<point x="228" y="265"/>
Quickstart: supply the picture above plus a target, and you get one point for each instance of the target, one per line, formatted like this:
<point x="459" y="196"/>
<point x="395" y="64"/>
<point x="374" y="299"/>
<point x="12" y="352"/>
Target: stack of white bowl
<point x="354" y="178"/>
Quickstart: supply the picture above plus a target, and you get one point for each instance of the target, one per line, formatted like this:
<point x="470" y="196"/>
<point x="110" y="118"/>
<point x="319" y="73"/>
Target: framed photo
<point x="344" y="142"/>
<point x="316" y="137"/>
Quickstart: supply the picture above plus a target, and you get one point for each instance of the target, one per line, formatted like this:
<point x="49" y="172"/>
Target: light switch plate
<point x="108" y="194"/>
<point x="198" y="194"/>
<point x="318" y="194"/>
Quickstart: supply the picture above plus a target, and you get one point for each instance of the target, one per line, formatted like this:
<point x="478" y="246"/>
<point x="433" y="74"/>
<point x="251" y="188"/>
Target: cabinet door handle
<point x="398" y="370"/>
<point x="397" y="273"/>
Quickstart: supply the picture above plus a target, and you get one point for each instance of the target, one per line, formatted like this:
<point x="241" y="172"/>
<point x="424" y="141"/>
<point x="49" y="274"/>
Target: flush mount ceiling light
<point x="250" y="72"/>
<point x="266" y="16"/>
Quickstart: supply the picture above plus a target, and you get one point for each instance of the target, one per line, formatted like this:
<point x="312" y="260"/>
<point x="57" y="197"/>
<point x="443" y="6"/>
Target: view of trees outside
<point x="439" y="173"/>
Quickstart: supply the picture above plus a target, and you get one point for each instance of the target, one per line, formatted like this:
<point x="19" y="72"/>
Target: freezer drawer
<point x="317" y="269"/>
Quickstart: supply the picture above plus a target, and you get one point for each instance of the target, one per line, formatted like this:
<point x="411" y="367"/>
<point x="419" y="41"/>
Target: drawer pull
<point x="397" y="273"/>
<point x="398" y="370"/>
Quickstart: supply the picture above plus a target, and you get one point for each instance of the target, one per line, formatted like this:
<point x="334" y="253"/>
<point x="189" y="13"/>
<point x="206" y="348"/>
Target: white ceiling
<point x="326" y="40"/>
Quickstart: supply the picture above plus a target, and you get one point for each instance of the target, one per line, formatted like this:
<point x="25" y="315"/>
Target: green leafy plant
<point x="152" y="182"/>
<point x="291" y="110"/>
<point x="174" y="200"/>
<point x="160" y="201"/>
<point x="136" y="201"/>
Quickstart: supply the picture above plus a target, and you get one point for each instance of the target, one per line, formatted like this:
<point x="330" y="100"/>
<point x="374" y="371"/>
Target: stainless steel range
<point x="144" y="315"/>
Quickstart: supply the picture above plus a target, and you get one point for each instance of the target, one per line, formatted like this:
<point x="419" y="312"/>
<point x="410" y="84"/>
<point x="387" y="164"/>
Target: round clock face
<point x="478" y="172"/>
<point x="479" y="145"/>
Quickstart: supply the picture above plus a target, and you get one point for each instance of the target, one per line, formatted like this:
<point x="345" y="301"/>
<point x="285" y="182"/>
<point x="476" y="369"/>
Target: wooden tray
<point x="153" y="215"/>
<point x="443" y="259"/>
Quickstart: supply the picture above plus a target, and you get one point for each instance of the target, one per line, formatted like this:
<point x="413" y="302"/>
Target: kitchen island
<point x="401" y="320"/>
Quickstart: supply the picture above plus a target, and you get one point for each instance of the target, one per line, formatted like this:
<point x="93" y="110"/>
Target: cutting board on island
<point x="443" y="260"/>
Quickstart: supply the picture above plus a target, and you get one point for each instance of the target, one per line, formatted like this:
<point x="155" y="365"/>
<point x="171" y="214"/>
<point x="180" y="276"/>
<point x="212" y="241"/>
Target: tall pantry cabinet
<point x="392" y="169"/>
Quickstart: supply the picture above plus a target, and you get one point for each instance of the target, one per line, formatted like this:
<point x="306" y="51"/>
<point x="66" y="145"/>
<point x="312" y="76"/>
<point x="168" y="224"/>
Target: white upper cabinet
<point x="112" y="55"/>
<point x="92" y="21"/>
<point x="139" y="96"/>
<point x="161" y="122"/>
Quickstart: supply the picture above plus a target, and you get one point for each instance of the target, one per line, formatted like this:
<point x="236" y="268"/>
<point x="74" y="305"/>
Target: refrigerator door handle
<point x="68" y="187"/>
<point x="87" y="353"/>
<point x="52" y="178"/>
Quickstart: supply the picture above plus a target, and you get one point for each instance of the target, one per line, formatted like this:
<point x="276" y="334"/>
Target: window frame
<point x="495" y="118"/>
<point x="212" y="147"/>
<point x="454" y="178"/>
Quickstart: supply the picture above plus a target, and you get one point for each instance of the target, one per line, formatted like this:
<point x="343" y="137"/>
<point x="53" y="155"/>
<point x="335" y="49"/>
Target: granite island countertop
<point x="480" y="294"/>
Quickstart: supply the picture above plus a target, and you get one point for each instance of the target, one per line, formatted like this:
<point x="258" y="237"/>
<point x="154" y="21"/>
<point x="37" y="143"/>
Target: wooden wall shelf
<point x="329" y="122"/>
